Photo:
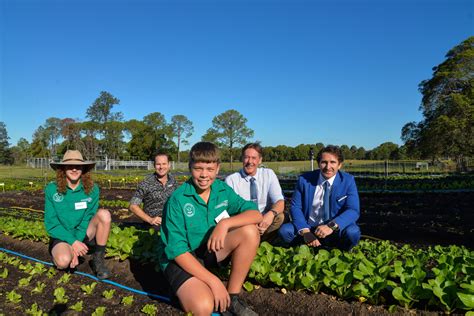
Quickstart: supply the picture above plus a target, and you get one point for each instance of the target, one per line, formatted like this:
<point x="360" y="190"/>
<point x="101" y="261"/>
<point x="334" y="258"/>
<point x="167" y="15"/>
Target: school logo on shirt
<point x="58" y="197"/>
<point x="189" y="210"/>
<point x="225" y="203"/>
<point x="89" y="199"/>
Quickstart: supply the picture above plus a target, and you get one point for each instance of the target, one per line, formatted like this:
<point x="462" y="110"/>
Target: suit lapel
<point x="313" y="182"/>
<point x="335" y="193"/>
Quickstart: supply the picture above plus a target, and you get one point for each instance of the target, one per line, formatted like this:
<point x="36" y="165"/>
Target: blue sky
<point x="336" y="72"/>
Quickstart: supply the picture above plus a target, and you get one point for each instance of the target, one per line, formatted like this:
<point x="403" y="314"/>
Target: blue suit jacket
<point x="344" y="200"/>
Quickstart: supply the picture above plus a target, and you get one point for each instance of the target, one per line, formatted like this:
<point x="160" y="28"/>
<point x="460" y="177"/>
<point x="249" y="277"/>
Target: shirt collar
<point x="78" y="188"/>
<point x="247" y="177"/>
<point x="321" y="179"/>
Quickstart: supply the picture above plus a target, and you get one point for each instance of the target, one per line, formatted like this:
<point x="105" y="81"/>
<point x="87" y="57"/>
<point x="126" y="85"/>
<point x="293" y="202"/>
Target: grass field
<point x="365" y="167"/>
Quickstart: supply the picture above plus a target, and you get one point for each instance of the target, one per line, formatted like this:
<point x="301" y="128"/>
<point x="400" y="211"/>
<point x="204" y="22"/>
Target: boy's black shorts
<point x="176" y="276"/>
<point x="53" y="242"/>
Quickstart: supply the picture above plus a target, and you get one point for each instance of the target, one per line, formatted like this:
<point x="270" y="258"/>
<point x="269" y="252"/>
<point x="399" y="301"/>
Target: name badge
<point x="80" y="205"/>
<point x="222" y="216"/>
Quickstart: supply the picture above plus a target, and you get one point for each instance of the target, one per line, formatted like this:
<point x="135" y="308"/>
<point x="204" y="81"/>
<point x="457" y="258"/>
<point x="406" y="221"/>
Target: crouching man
<point x="325" y="206"/>
<point x="205" y="223"/>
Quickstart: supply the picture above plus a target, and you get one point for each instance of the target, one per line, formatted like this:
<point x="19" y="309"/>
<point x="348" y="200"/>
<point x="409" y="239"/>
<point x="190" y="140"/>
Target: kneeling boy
<point x="205" y="222"/>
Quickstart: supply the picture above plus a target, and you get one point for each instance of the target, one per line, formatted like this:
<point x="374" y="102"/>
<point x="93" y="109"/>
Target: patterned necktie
<point x="253" y="190"/>
<point x="326" y="201"/>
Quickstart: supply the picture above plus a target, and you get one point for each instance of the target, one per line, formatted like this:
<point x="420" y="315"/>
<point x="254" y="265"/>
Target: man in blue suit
<point x="324" y="206"/>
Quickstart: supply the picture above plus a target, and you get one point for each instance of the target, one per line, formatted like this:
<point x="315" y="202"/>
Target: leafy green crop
<point x="78" y="307"/>
<point x="4" y="274"/>
<point x="24" y="281"/>
<point x="88" y="288"/>
<point x="51" y="272"/>
<point x="127" y="300"/>
<point x="99" y="311"/>
<point x="34" y="310"/>
<point x="108" y="294"/>
<point x="377" y="272"/>
<point x="39" y="287"/>
<point x="60" y="296"/>
<point x="149" y="309"/>
<point x="14" y="297"/>
<point x="65" y="278"/>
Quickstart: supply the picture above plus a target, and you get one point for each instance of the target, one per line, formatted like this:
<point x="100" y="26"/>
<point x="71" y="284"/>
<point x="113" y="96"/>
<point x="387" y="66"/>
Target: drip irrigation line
<point x="163" y="298"/>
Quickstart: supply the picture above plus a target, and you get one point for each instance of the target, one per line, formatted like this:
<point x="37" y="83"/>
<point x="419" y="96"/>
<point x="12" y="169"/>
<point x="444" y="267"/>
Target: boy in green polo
<point x="205" y="222"/>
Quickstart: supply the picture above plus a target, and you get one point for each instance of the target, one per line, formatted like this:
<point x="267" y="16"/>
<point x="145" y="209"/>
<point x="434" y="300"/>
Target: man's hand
<point x="311" y="240"/>
<point x="221" y="296"/>
<point x="79" y="248"/>
<point x="323" y="231"/>
<point x="268" y="218"/>
<point x="155" y="220"/>
<point x="74" y="261"/>
<point x="217" y="239"/>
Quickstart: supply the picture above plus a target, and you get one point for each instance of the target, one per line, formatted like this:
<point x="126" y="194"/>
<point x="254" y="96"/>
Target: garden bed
<point x="419" y="219"/>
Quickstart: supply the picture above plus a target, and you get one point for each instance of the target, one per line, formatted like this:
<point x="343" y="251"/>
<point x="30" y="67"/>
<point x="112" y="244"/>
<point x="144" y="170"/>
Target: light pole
<point x="311" y="157"/>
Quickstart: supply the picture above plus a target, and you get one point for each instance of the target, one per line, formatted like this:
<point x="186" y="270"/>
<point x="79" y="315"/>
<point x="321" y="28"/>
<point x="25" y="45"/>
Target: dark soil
<point x="266" y="301"/>
<point x="416" y="218"/>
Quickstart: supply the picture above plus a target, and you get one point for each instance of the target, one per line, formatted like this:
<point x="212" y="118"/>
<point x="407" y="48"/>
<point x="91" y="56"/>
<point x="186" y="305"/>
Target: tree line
<point x="447" y="129"/>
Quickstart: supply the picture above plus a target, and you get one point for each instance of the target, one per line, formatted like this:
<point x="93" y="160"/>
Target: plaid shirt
<point x="154" y="194"/>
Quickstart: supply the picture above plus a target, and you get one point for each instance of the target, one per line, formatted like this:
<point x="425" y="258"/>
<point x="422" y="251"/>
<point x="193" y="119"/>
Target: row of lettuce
<point x="436" y="277"/>
<point x="391" y="183"/>
<point x="34" y="284"/>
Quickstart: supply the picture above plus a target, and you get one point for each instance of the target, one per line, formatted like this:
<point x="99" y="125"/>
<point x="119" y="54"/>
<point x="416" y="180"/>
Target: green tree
<point x="71" y="133"/>
<point x="21" y="152"/>
<point x="52" y="128"/>
<point x="5" y="152"/>
<point x="100" y="112"/>
<point x="89" y="131"/>
<point x="181" y="128"/>
<point x="229" y="129"/>
<point x="39" y="144"/>
<point x="385" y="151"/>
<point x="346" y="152"/>
<point x="447" y="128"/>
<point x="148" y="136"/>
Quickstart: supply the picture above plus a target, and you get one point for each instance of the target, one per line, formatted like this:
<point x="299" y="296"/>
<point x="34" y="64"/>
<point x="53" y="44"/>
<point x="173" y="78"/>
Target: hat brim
<point x="88" y="164"/>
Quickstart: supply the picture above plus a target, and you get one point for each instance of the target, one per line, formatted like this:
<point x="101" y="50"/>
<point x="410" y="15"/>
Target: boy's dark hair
<point x="331" y="149"/>
<point x="255" y="146"/>
<point x="204" y="152"/>
<point x="161" y="153"/>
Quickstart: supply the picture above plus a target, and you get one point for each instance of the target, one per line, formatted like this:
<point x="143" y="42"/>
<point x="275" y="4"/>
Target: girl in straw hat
<point x="72" y="218"/>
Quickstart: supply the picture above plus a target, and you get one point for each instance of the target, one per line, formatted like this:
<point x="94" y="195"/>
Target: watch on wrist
<point x="333" y="225"/>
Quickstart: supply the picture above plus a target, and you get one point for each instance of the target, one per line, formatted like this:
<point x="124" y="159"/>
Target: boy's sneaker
<point x="99" y="267"/>
<point x="239" y="307"/>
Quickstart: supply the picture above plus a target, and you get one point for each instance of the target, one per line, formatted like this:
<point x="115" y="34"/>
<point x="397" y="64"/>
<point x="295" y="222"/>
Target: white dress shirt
<point x="268" y="187"/>
<point x="316" y="217"/>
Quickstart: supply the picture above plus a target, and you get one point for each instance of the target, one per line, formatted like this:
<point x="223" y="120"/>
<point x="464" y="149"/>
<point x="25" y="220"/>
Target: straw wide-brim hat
<point x="74" y="158"/>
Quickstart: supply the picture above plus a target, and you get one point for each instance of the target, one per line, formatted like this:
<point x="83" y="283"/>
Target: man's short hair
<point x="204" y="152"/>
<point x="161" y="153"/>
<point x="255" y="146"/>
<point x="331" y="149"/>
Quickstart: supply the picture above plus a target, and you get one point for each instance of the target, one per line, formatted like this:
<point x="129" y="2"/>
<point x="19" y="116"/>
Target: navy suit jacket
<point x="344" y="200"/>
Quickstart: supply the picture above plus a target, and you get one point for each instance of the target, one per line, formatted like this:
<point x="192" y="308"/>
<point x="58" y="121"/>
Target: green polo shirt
<point x="67" y="216"/>
<point x="188" y="221"/>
